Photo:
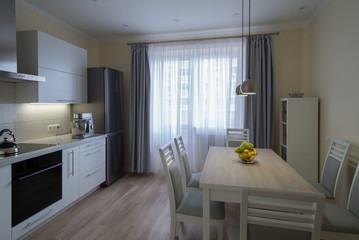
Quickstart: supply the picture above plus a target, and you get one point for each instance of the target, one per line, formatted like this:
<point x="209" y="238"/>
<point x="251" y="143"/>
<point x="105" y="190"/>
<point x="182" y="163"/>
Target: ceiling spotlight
<point x="177" y="20"/>
<point x="124" y="25"/>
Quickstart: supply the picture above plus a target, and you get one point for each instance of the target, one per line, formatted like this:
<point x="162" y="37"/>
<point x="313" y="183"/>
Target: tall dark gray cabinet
<point x="106" y="104"/>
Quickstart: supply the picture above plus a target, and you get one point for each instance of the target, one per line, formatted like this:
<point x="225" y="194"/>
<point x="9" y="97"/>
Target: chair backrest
<point x="173" y="176"/>
<point x="353" y="201"/>
<point x="280" y="214"/>
<point x="184" y="164"/>
<point x="236" y="136"/>
<point x="337" y="155"/>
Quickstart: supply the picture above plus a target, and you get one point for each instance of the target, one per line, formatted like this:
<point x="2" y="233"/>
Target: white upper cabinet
<point x="59" y="55"/>
<point x="64" y="65"/>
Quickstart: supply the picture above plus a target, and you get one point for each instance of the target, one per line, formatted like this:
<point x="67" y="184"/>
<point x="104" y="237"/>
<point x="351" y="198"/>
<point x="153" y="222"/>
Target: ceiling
<point x="134" y="20"/>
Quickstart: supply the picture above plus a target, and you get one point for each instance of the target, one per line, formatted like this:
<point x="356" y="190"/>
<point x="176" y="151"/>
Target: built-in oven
<point x="36" y="184"/>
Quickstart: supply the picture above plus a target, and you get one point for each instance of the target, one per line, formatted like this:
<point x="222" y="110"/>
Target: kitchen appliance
<point x="8" y="57"/>
<point x="105" y="103"/>
<point x="8" y="147"/>
<point x="82" y="125"/>
<point x="36" y="184"/>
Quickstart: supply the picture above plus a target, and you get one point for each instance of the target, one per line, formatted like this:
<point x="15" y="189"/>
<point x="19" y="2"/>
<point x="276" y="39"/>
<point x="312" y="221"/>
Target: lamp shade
<point x="249" y="86"/>
<point x="239" y="92"/>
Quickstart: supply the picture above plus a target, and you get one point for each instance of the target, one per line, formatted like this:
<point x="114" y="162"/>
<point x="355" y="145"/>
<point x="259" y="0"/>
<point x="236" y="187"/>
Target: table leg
<point x="206" y="213"/>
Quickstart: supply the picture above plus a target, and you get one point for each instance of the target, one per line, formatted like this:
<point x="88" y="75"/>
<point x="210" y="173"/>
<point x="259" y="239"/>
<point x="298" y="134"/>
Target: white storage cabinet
<point x="92" y="165"/>
<point x="64" y="65"/>
<point x="299" y="135"/>
<point x="70" y="175"/>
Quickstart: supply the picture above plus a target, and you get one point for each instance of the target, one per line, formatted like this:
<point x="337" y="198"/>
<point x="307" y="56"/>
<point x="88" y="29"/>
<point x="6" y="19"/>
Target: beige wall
<point x="288" y="55"/>
<point x="331" y="72"/>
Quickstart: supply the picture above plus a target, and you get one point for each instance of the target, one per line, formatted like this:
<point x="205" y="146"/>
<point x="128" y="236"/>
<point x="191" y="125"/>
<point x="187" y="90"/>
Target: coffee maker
<point x="82" y="125"/>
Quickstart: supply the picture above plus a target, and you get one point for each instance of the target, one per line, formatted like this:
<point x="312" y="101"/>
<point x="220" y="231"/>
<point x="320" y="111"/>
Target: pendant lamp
<point x="249" y="86"/>
<point x="238" y="88"/>
<point x="239" y="92"/>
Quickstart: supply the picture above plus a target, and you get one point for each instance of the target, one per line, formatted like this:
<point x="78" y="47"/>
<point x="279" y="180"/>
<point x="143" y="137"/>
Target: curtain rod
<point x="212" y="38"/>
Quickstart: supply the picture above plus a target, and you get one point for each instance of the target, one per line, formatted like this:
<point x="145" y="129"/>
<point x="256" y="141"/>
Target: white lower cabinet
<point x="70" y="175"/>
<point x="35" y="220"/>
<point x="92" y="165"/>
<point x="5" y="202"/>
<point x="83" y="170"/>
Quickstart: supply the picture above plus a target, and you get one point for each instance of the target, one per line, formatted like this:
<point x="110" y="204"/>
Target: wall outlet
<point x="53" y="128"/>
<point x="327" y="139"/>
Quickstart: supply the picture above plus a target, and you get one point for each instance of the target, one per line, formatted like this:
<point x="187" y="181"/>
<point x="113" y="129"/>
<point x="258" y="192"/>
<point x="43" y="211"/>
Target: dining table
<point x="224" y="174"/>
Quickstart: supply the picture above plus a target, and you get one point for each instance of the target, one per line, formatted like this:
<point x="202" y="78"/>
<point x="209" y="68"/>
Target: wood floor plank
<point x="135" y="207"/>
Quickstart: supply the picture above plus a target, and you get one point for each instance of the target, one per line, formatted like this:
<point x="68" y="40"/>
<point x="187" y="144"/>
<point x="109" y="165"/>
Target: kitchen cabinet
<point x="64" y="65"/>
<point x="5" y="202"/>
<point x="83" y="170"/>
<point x="92" y="165"/>
<point x="35" y="220"/>
<point x="299" y="135"/>
<point x="70" y="175"/>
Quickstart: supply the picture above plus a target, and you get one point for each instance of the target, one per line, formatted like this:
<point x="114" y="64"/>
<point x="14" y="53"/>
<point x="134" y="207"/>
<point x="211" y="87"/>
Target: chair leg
<point x="177" y="228"/>
<point x="173" y="229"/>
<point x="220" y="230"/>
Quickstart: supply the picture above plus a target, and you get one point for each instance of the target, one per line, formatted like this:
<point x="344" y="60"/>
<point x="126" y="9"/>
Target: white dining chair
<point x="190" y="181"/>
<point x="340" y="222"/>
<point x="186" y="206"/>
<point x="278" y="215"/>
<point x="236" y="136"/>
<point x="332" y="173"/>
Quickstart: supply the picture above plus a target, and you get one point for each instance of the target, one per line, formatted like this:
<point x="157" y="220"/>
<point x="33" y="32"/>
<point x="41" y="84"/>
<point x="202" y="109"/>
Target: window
<point x="193" y="93"/>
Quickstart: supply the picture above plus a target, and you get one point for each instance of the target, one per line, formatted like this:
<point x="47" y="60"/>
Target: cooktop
<point x="29" y="147"/>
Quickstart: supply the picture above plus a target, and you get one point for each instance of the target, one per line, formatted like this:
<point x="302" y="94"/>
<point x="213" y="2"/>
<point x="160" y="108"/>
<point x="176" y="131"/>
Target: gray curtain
<point x="140" y="110"/>
<point x="259" y="108"/>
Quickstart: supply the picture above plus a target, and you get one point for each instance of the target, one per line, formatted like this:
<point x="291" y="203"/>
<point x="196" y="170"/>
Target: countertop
<point x="60" y="143"/>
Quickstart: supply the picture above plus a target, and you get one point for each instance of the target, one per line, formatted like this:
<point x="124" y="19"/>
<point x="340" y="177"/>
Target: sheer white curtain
<point x="193" y="94"/>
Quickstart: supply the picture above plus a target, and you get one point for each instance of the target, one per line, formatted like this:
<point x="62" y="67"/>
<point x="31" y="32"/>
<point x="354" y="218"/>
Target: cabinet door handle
<point x="93" y="172"/>
<point x="92" y="153"/>
<point x="38" y="219"/>
<point x="93" y="144"/>
<point x="71" y="171"/>
<point x="73" y="162"/>
<point x="21" y="178"/>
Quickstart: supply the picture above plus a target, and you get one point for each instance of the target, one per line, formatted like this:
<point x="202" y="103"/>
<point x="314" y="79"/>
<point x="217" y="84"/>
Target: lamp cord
<point x="249" y="39"/>
<point x="242" y="39"/>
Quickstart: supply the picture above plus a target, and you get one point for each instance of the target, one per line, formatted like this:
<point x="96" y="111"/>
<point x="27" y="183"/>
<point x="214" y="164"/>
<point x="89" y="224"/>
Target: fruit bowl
<point x="246" y="152"/>
<point x="248" y="159"/>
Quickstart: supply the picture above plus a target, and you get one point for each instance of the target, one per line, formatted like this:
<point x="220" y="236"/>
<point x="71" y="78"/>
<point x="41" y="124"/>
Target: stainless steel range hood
<point x="8" y="59"/>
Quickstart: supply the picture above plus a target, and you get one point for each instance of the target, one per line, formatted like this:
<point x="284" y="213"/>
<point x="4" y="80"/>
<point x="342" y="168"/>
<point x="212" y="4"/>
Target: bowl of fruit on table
<point x="246" y="152"/>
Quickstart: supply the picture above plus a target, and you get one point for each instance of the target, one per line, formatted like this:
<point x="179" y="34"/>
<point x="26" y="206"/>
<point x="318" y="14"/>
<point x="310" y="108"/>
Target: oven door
<point x="36" y="184"/>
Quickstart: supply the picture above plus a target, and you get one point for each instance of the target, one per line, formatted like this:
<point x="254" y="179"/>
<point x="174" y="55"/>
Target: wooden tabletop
<point x="224" y="171"/>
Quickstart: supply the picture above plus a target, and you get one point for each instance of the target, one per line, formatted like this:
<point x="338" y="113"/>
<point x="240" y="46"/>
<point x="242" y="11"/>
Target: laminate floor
<point x="134" y="207"/>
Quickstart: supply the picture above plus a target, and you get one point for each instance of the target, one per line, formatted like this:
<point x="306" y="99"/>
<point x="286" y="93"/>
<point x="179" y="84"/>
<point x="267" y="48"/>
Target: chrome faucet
<point x="9" y="132"/>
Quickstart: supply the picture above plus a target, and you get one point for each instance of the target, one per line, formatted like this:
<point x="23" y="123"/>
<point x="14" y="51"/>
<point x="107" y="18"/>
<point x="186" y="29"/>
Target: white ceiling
<point x="134" y="20"/>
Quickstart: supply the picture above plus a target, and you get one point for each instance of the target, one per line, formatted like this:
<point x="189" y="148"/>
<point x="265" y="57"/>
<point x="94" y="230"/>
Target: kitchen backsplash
<point x="30" y="121"/>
